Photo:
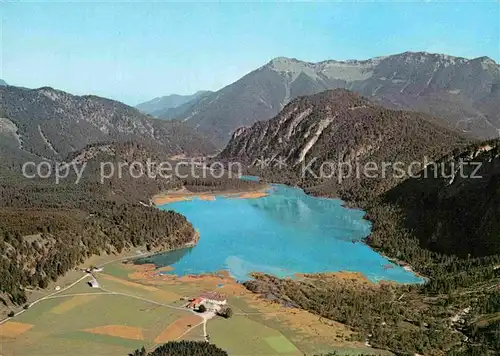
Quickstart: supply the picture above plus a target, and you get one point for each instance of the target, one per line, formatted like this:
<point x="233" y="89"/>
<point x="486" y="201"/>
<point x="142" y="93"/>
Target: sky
<point x="135" y="51"/>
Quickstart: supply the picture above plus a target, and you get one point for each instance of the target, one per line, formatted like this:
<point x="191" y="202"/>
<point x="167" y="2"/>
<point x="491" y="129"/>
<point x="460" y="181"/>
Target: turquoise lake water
<point x="282" y="234"/>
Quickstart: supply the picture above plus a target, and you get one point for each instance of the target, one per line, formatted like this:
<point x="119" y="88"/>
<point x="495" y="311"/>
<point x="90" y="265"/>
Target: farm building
<point x="214" y="298"/>
<point x="211" y="300"/>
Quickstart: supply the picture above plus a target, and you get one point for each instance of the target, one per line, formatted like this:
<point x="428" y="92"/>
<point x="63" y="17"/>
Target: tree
<point x="226" y="312"/>
<point x="202" y="308"/>
<point x="139" y="352"/>
<point x="43" y="283"/>
<point x="183" y="348"/>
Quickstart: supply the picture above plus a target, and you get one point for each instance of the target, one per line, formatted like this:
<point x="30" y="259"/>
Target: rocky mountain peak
<point x="330" y="100"/>
<point x="462" y="91"/>
<point x="486" y="59"/>
<point x="341" y="126"/>
<point x="161" y="105"/>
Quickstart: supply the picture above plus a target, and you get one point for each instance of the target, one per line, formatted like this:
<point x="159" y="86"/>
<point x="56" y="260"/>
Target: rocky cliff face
<point x="466" y="92"/>
<point x="317" y="135"/>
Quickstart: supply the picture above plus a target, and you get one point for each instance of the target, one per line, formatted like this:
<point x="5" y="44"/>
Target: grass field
<point x="80" y="287"/>
<point x="108" y="324"/>
<point x="251" y="338"/>
<point x="117" y="270"/>
<point x="124" y="314"/>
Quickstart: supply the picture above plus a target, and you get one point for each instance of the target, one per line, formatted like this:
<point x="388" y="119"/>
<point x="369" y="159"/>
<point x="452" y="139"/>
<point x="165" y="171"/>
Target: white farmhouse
<point x="214" y="298"/>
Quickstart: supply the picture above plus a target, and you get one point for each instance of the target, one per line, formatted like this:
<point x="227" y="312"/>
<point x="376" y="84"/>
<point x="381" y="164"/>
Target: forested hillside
<point x="325" y="140"/>
<point x="51" y="123"/>
<point x="47" y="228"/>
<point x="454" y="207"/>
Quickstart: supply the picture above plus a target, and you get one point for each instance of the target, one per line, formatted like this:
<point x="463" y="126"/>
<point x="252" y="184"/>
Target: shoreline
<point x="149" y="272"/>
<point x="189" y="244"/>
<point x="185" y="195"/>
<point x="155" y="272"/>
<point x="404" y="265"/>
<point x="356" y="205"/>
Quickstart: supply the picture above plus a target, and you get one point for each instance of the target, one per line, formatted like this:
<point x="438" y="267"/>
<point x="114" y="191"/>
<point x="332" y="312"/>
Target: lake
<point x="282" y="234"/>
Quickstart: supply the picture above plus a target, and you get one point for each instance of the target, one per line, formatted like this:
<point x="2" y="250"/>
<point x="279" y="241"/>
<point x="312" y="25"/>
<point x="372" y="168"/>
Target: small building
<point x="211" y="300"/>
<point x="93" y="283"/>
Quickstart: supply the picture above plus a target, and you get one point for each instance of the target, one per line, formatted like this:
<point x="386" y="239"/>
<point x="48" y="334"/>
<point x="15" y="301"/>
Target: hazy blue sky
<point x="138" y="50"/>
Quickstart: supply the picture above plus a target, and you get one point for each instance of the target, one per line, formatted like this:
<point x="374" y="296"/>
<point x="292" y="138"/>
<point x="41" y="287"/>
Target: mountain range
<point x="3" y="82"/>
<point x="315" y="135"/>
<point x="160" y="106"/>
<point x="51" y="124"/>
<point x="466" y="92"/>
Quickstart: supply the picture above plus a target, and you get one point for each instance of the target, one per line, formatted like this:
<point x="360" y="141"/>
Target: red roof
<point x="194" y="302"/>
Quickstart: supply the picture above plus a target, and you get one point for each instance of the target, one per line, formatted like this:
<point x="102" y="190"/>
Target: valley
<point x="147" y="310"/>
<point x="275" y="306"/>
